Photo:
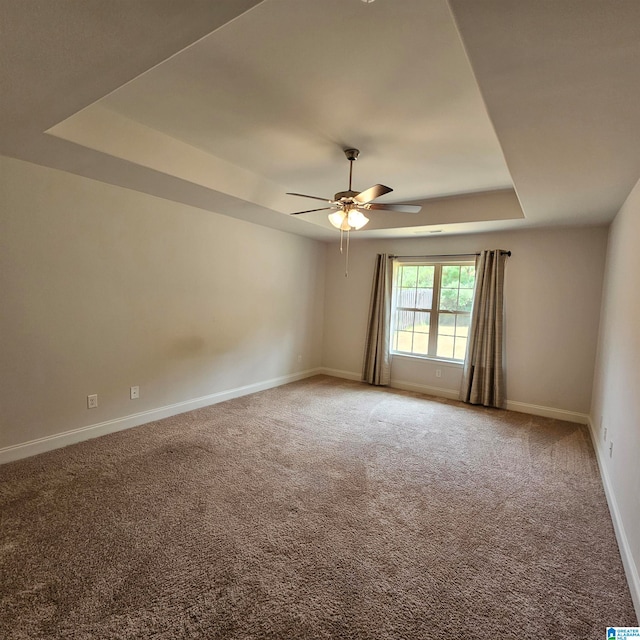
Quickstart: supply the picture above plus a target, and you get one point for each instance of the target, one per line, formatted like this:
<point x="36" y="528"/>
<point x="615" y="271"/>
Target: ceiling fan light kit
<point x="348" y="203"/>
<point x="347" y="215"/>
<point x="348" y="220"/>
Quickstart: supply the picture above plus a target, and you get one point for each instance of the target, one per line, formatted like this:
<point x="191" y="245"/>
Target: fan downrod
<point x="352" y="156"/>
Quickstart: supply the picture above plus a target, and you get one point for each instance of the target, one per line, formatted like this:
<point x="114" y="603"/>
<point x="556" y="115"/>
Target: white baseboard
<point x="630" y="568"/>
<point x="452" y="394"/>
<point x="548" y="412"/>
<point x="48" y="443"/>
<point x="339" y="373"/>
<point x="439" y="392"/>
<point x="395" y="384"/>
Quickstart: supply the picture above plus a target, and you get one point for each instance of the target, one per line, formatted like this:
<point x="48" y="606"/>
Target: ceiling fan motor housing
<point x="350" y="202"/>
<point x="345" y="195"/>
<point x="352" y="154"/>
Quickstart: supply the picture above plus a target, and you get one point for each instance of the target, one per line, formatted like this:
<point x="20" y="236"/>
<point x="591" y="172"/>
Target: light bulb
<point x="337" y="218"/>
<point x="357" y="219"/>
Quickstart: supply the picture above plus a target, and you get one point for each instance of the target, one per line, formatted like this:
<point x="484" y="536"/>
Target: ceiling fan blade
<point x="402" y="208"/>
<point x="372" y="193"/>
<point x="302" y="195"/>
<point x="297" y="213"/>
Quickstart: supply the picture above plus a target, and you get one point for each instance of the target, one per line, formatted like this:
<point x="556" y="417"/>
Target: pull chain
<point x="346" y="262"/>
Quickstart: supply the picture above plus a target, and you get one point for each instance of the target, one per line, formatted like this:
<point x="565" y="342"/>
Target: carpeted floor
<point x="320" y="509"/>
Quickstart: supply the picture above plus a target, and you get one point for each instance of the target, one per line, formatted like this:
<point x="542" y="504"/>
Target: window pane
<point x="404" y="321"/>
<point x="409" y="276"/>
<point x="424" y="298"/>
<point x="462" y="326"/>
<point x="448" y="299"/>
<point x="467" y="276"/>
<point x="407" y="298"/>
<point x="461" y="347"/>
<point x="465" y="299"/>
<point x="451" y="276"/>
<point x="404" y="342"/>
<point x="422" y="322"/>
<point x="445" y="346"/>
<point x="457" y="287"/>
<point x="425" y="276"/>
<point x="446" y="324"/>
<point x="421" y="343"/>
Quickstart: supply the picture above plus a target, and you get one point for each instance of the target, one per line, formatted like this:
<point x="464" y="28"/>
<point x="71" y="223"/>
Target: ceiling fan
<point x="348" y="205"/>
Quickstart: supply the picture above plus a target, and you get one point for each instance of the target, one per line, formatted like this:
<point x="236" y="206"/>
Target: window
<point x="431" y="309"/>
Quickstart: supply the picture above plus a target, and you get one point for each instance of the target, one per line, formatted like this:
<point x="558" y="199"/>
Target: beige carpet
<point x="321" y="509"/>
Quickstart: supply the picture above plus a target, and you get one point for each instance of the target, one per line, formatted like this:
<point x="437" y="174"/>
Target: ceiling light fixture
<point x="348" y="219"/>
<point x="346" y="205"/>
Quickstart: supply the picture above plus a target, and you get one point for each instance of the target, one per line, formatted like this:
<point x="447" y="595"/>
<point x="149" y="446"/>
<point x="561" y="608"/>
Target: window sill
<point x="452" y="363"/>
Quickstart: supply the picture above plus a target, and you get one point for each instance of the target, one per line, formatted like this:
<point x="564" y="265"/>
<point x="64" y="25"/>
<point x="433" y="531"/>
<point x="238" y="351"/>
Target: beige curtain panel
<point x="377" y="361"/>
<point x="483" y="377"/>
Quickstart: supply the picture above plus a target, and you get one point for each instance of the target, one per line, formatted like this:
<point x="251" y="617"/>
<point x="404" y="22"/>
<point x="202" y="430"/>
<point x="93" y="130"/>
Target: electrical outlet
<point x="438" y="373"/>
<point x="299" y="357"/>
<point x="135" y="392"/>
<point x="611" y="449"/>
<point x="92" y="401"/>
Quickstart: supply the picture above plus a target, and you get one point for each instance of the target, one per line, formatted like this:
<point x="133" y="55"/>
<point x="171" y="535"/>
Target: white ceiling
<point x="228" y="105"/>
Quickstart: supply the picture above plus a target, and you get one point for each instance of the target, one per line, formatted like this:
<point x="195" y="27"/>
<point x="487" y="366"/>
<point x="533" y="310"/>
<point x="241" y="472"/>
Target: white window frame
<point x="434" y="312"/>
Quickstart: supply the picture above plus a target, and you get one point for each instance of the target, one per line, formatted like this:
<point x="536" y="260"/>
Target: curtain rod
<point x="448" y="255"/>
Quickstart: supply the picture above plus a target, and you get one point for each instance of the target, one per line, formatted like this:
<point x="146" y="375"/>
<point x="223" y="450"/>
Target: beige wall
<point x="553" y="290"/>
<point x="616" y="391"/>
<point x="103" y="288"/>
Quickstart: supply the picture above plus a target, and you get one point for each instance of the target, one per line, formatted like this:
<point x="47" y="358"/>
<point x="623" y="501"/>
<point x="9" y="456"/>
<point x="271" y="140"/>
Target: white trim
<point x="339" y="373"/>
<point x="423" y="388"/>
<point x="452" y="394"/>
<point x="547" y="412"/>
<point x="48" y="443"/>
<point x="396" y="384"/>
<point x="630" y="568"/>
